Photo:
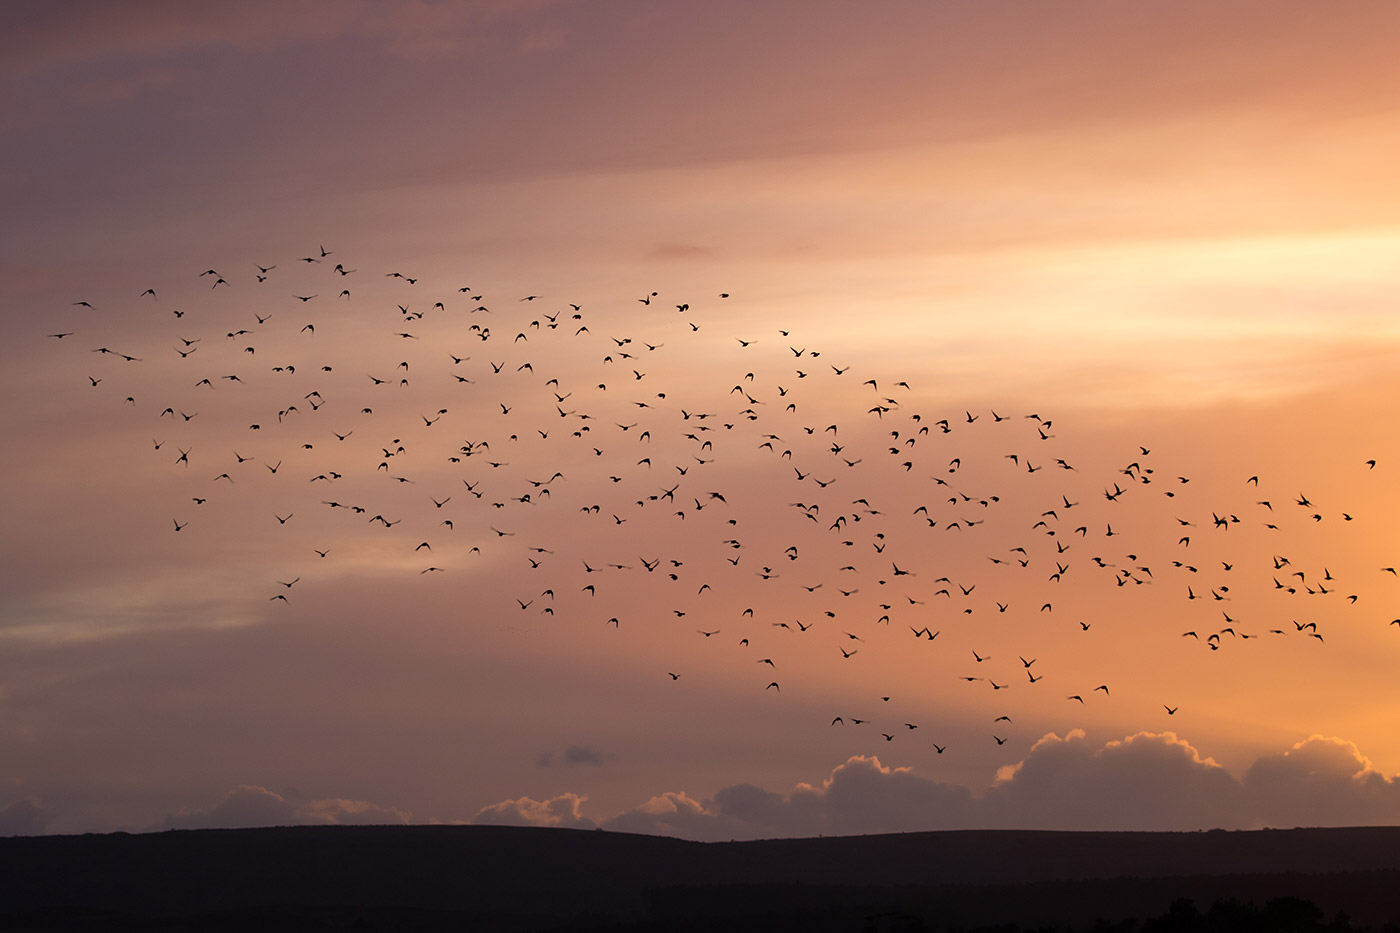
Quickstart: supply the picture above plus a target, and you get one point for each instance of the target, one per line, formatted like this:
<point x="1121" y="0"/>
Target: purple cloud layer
<point x="1147" y="781"/>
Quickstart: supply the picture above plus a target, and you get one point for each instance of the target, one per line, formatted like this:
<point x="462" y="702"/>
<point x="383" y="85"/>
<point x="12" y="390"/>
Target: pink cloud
<point x="861" y="795"/>
<point x="1322" y="780"/>
<point x="565" y="810"/>
<point x="671" y="814"/>
<point x="250" y="805"/>
<point x="1145" y="781"/>
<point x="346" y="812"/>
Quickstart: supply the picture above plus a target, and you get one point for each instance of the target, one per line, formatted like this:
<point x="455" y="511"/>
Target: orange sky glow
<point x="1052" y="333"/>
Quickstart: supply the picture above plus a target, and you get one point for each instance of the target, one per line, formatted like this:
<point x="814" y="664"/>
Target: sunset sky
<point x="724" y="268"/>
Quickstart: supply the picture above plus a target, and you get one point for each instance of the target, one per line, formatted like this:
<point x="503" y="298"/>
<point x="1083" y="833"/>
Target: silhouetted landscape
<point x="685" y="466"/>
<point x="507" y="878"/>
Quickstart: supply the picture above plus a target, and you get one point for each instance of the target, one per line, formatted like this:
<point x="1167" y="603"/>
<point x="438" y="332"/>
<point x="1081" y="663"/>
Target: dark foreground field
<point x="496" y="878"/>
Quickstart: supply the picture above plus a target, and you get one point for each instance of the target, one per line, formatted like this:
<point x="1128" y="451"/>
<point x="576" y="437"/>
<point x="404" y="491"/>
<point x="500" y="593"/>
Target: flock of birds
<point x="635" y="467"/>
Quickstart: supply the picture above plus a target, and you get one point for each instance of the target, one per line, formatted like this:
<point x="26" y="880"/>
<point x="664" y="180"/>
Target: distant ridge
<point x="507" y="878"/>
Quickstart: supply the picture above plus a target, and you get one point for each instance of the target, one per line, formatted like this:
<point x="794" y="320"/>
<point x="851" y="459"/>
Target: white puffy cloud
<point x="250" y="805"/>
<point x="565" y="810"/>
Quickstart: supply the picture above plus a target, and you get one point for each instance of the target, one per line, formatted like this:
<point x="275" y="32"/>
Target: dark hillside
<point x="482" y="877"/>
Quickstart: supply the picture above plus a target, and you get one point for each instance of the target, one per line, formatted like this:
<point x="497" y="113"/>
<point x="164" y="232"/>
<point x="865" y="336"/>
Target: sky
<point x="723" y="420"/>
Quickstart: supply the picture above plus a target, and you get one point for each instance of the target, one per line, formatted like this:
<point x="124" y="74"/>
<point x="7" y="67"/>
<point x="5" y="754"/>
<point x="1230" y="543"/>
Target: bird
<point x="870" y="530"/>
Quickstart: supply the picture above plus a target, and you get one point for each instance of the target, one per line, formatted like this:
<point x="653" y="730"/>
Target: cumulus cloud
<point x="249" y="805"/>
<point x="566" y="811"/>
<point x="1146" y="781"/>
<point x="24" y="818"/>
<point x="672" y="814"/>
<point x="861" y="795"/>
<point x="345" y="812"/>
<point x="1322" y="780"/>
